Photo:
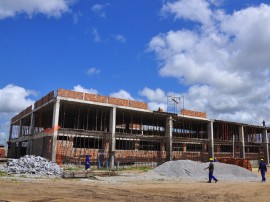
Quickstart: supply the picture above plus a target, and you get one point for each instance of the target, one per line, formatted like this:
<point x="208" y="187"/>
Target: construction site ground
<point x="24" y="188"/>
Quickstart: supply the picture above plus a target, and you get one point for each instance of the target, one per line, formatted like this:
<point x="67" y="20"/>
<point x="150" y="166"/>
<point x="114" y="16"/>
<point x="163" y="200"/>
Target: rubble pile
<point x="30" y="164"/>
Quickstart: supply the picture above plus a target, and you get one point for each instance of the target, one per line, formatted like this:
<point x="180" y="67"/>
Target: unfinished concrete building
<point x="65" y="126"/>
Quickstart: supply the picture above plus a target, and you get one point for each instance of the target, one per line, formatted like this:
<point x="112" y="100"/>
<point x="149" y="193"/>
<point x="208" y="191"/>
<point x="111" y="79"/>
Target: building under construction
<point x="65" y="126"/>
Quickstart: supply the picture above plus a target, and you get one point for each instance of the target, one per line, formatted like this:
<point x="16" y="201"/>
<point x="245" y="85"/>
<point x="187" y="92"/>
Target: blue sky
<point x="214" y="53"/>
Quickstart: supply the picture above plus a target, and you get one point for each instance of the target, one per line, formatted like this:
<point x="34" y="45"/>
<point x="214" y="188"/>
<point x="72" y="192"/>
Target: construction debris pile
<point x="30" y="164"/>
<point x="187" y="169"/>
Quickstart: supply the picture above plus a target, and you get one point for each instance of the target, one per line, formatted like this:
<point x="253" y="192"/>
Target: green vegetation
<point x="3" y="174"/>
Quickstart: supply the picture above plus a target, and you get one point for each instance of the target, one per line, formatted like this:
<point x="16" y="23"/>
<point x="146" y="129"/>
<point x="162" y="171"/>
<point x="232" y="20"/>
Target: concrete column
<point x="55" y="128"/>
<point x="210" y="131"/>
<point x="266" y="146"/>
<point x="20" y="131"/>
<point x="32" y="128"/>
<point x="168" y="134"/>
<point x="10" y="131"/>
<point x="242" y="142"/>
<point x="32" y="124"/>
<point x="112" y="138"/>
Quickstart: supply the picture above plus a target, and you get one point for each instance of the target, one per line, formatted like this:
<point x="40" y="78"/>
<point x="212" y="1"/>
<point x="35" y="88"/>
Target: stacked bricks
<point x="118" y="101"/>
<point x="2" y="152"/>
<point x="24" y="112"/>
<point x="101" y="99"/>
<point x="70" y="94"/>
<point x="193" y="113"/>
<point x="44" y="99"/>
<point x="135" y="104"/>
<point x="244" y="163"/>
<point x="95" y="98"/>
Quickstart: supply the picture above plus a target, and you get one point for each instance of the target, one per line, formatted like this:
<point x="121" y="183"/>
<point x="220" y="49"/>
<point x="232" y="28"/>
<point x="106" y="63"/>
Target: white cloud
<point x="14" y="98"/>
<point x="50" y="8"/>
<point x="79" y="88"/>
<point x="100" y="9"/>
<point x="155" y="106"/>
<point x="157" y="95"/>
<point x="189" y="9"/>
<point x="92" y="71"/>
<point x="96" y="35"/>
<point x="224" y="61"/>
<point x="120" y="38"/>
<point x="122" y="94"/>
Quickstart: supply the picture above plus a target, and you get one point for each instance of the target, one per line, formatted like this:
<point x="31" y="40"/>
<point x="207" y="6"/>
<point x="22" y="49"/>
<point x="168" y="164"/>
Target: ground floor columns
<point x="55" y="128"/>
<point x="242" y="142"/>
<point x="266" y="147"/>
<point x="32" y="131"/>
<point x="210" y="132"/>
<point x="169" y="128"/>
<point x="112" y="137"/>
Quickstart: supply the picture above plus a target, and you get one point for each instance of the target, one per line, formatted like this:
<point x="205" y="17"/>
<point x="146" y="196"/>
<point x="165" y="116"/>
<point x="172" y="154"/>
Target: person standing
<point x="263" y="169"/>
<point x="211" y="171"/>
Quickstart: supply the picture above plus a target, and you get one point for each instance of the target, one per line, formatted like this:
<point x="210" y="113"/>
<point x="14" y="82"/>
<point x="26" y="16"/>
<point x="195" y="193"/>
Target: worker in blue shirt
<point x="211" y="171"/>
<point x="263" y="169"/>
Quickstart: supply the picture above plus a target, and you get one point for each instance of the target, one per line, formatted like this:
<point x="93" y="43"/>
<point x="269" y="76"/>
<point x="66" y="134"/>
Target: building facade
<point x="65" y="126"/>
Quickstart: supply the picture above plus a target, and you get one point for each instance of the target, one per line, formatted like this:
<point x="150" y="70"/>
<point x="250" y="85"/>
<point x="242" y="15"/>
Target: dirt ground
<point x="25" y="189"/>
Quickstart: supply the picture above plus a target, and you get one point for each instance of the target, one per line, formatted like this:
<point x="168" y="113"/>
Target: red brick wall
<point x="118" y="101"/>
<point x="136" y="104"/>
<point x="70" y="94"/>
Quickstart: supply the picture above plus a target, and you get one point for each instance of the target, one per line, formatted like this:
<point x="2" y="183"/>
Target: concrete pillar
<point x="32" y="124"/>
<point x="55" y="128"/>
<point x="32" y="130"/>
<point x="266" y="146"/>
<point x="168" y="134"/>
<point x="242" y="142"/>
<point x="10" y="131"/>
<point x="112" y="138"/>
<point x="20" y="131"/>
<point x="210" y="131"/>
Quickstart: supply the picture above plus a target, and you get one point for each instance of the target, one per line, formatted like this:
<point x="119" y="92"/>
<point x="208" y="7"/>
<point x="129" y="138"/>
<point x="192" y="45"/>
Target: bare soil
<point x="25" y="189"/>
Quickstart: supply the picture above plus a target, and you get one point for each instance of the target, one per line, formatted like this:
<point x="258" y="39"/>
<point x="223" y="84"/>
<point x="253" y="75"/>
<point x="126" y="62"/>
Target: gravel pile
<point x="30" y="164"/>
<point x="187" y="169"/>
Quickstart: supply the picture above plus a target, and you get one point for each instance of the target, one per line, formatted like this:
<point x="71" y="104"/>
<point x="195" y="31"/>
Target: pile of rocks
<point x="30" y="164"/>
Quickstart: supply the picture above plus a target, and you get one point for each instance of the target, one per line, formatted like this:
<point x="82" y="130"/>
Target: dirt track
<point x="78" y="190"/>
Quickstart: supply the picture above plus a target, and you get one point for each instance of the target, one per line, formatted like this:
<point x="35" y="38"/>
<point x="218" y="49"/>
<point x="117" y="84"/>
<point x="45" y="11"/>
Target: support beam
<point x="210" y="132"/>
<point x="169" y="128"/>
<point x="266" y="146"/>
<point x="112" y="136"/>
<point x="55" y="128"/>
<point x="242" y="142"/>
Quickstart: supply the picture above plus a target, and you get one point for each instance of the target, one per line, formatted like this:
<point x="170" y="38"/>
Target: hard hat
<point x="211" y="159"/>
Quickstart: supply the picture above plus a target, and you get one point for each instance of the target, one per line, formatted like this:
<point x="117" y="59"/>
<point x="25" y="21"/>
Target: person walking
<point x="263" y="169"/>
<point x="211" y="171"/>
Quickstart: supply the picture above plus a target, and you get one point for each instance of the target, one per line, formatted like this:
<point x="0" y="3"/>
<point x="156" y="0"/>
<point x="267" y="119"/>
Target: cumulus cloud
<point x="80" y="88"/>
<point x="100" y="9"/>
<point x="50" y="8"/>
<point x="156" y="95"/>
<point x="92" y="71"/>
<point x="120" y="38"/>
<point x="223" y="59"/>
<point x="14" y="98"/>
<point x="122" y="94"/>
